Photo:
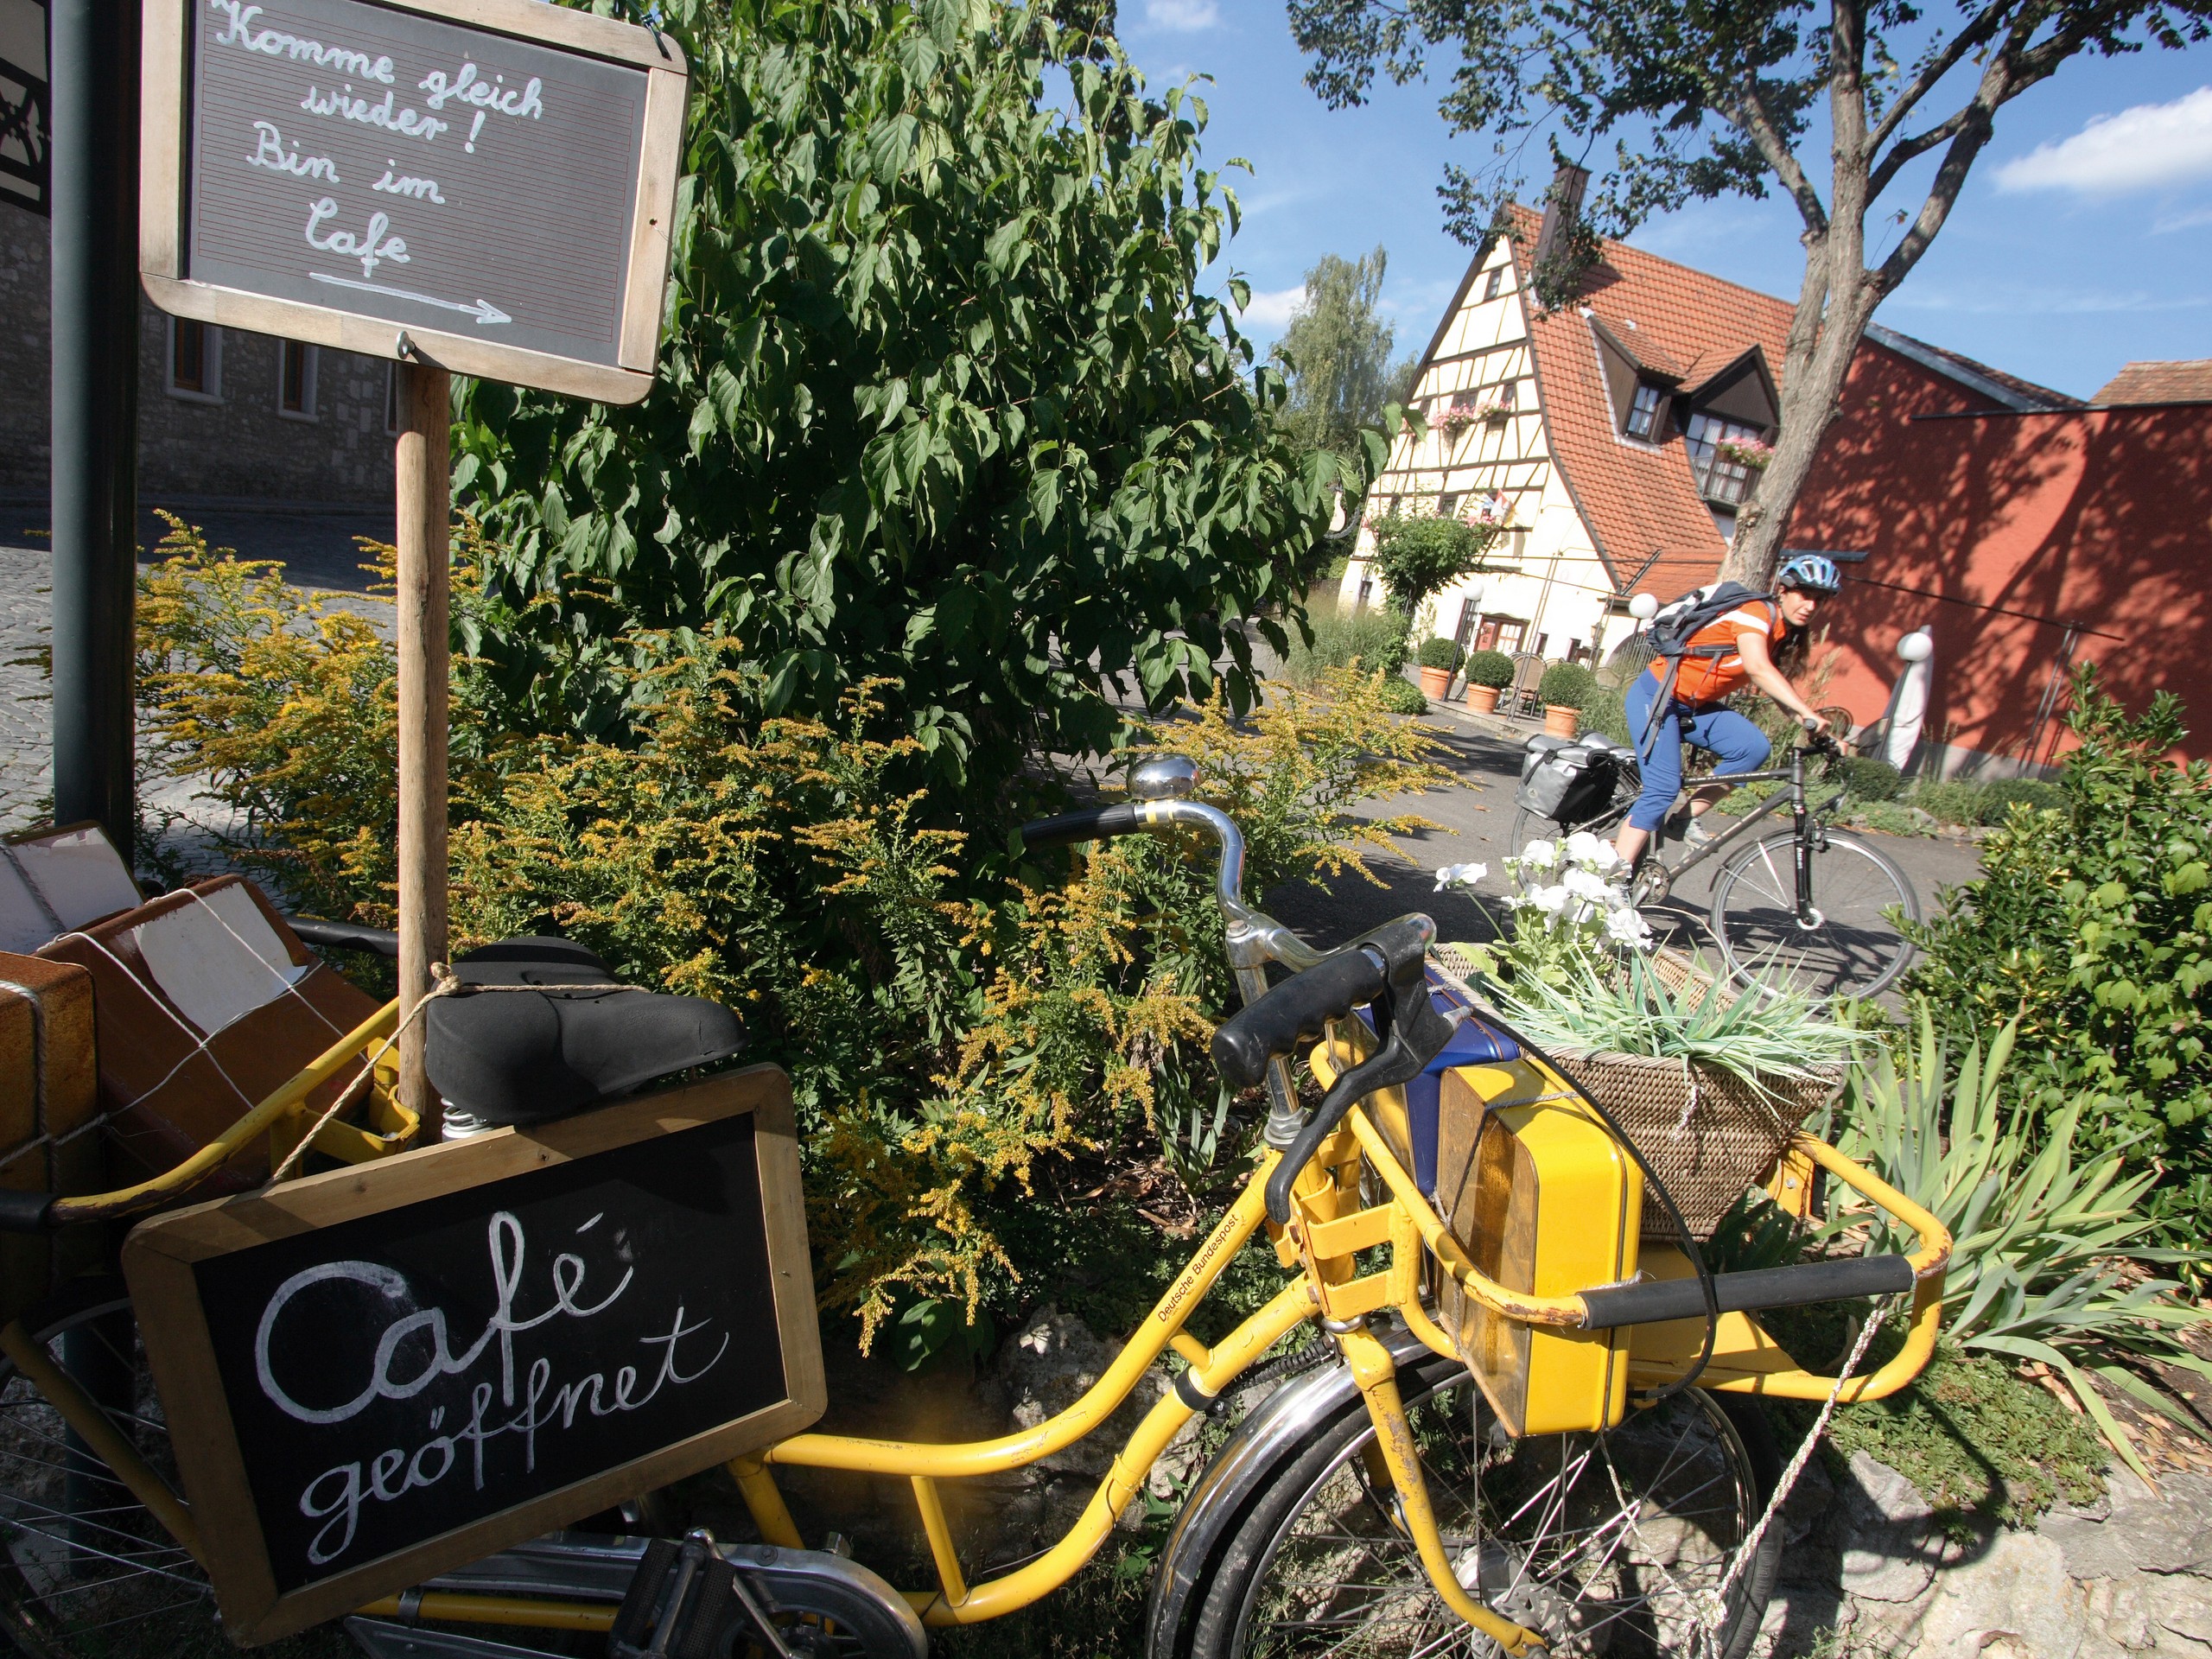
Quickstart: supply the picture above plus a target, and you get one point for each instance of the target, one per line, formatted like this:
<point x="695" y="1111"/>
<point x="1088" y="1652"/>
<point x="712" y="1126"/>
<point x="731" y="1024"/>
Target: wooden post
<point x="423" y="478"/>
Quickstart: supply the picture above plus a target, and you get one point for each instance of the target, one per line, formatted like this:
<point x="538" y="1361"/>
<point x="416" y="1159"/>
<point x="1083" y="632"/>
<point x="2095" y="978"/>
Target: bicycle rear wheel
<point x="1850" y="945"/>
<point x="1604" y="1543"/>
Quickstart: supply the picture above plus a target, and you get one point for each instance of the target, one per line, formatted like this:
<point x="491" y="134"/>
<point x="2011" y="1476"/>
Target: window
<point x="1496" y="281"/>
<point x="1448" y="505"/>
<point x="295" y="377"/>
<point x="195" y="361"/>
<point x="1720" y="478"/>
<point x="1644" y="413"/>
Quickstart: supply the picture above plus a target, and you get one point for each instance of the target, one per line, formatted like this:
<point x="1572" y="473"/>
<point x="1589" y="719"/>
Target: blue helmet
<point x="1814" y="571"/>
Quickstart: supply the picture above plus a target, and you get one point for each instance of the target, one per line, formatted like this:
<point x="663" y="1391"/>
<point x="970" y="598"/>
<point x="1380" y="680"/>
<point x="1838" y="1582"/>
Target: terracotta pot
<point x="1560" y="721"/>
<point x="1482" y="699"/>
<point x="1435" y="683"/>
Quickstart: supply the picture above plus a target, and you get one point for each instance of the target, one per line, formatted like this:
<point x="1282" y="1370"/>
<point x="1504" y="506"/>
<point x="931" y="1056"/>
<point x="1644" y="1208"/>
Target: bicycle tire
<point x="1855" y="949"/>
<point x="86" y="1572"/>
<point x="1375" y="1600"/>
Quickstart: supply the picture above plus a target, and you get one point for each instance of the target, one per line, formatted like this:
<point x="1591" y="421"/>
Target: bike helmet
<point x="1812" y="571"/>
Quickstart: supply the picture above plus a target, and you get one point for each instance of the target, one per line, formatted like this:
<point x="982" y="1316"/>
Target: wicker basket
<point x="1706" y="1134"/>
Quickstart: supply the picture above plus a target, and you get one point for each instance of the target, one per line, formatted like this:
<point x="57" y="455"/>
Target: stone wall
<point x="235" y="444"/>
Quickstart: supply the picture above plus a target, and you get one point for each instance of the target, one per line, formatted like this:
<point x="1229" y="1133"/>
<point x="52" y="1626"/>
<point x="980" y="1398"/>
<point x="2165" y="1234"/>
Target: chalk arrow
<point x="483" y="311"/>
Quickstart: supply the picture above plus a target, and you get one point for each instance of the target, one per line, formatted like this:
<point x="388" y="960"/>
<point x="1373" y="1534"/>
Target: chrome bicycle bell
<point x="1165" y="777"/>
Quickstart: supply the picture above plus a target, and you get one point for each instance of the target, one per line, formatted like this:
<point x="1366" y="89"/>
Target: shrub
<point x="1606" y="713"/>
<point x="1335" y="637"/>
<point x="1440" y="652"/>
<point x="943" y="401"/>
<point x="1416" y="557"/>
<point x="1490" y="668"/>
<point x="1971" y="801"/>
<point x="1403" y="697"/>
<point x="1871" y="779"/>
<point x="1568" y="685"/>
<point x="2092" y="927"/>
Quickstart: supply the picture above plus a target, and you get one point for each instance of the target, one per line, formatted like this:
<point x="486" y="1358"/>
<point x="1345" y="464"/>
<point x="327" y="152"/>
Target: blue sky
<point x="2083" y="240"/>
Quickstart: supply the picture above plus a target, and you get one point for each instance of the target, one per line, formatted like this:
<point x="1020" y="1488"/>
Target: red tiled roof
<point x="1639" y="500"/>
<point x="2159" y="383"/>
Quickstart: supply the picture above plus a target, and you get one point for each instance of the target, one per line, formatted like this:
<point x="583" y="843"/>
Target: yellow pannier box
<point x="1542" y="1198"/>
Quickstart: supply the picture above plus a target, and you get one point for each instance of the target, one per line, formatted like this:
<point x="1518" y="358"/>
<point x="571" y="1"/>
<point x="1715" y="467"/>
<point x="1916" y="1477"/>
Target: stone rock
<point x="1890" y="1547"/>
<point x="2168" y="1531"/>
<point x="2011" y="1599"/>
<point x="1046" y="1366"/>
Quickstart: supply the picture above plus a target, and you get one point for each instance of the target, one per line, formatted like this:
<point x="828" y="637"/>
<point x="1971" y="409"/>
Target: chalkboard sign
<point x="378" y="1374"/>
<point x="493" y="181"/>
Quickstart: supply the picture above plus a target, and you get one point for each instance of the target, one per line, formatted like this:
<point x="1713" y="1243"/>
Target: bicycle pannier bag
<point x="1570" y="785"/>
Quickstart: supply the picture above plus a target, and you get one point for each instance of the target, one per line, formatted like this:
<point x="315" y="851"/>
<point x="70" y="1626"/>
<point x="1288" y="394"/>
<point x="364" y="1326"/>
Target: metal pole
<point x="94" y="118"/>
<point x="423" y="480"/>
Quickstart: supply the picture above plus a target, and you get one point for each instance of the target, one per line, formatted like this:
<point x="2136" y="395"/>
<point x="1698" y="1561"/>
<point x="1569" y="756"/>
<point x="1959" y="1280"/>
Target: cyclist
<point x="1765" y="634"/>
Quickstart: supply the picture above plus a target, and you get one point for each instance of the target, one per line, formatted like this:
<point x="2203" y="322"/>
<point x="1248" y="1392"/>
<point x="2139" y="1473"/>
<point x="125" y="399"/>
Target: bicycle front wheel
<point x="1609" y="1543"/>
<point x="1846" y="942"/>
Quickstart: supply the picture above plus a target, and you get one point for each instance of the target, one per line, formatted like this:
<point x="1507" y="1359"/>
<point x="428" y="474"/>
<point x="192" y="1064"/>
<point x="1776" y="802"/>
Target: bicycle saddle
<point x="516" y="1057"/>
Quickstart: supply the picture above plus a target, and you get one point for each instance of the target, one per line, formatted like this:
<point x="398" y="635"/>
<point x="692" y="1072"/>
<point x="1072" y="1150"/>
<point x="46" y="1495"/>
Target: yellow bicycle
<point x="1517" y="1425"/>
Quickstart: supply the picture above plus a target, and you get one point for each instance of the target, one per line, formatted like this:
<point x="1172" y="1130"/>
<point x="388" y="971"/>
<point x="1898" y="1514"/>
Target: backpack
<point x="1676" y="624"/>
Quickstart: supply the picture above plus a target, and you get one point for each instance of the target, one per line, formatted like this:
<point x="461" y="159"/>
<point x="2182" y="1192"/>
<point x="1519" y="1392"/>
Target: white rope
<point x="1713" y="1620"/>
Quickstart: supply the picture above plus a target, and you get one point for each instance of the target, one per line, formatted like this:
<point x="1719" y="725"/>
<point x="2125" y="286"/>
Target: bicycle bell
<point x="1165" y="777"/>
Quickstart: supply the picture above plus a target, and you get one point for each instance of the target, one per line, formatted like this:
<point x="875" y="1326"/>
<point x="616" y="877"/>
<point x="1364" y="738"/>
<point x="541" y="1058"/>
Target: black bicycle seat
<point x="513" y="1057"/>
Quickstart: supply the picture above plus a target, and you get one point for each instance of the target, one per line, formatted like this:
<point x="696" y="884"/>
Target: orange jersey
<point x="1708" y="679"/>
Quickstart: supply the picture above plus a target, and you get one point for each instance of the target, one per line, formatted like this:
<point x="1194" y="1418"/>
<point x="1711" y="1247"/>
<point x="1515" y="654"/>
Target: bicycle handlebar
<point x="1092" y="823"/>
<point x="1295" y="1011"/>
<point x="1656" y="1299"/>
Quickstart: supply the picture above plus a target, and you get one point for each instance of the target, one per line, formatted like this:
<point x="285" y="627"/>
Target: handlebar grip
<point x="344" y="936"/>
<point x="26" y="1213"/>
<point x="1092" y="823"/>
<point x="1295" y="1011"/>
<point x="1656" y="1300"/>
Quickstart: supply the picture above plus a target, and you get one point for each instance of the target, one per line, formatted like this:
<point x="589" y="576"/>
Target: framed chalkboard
<point x="489" y="181"/>
<point x="378" y="1374"/>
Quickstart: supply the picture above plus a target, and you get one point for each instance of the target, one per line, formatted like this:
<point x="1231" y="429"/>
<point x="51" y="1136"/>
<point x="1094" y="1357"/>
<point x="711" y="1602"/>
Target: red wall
<point x="2006" y="528"/>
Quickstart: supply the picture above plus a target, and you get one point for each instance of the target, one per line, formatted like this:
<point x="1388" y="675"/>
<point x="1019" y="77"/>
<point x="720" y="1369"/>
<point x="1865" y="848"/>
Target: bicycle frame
<point x="1332" y="1227"/>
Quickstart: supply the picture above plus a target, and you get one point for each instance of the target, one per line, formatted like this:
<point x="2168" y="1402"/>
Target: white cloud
<point x="2166" y="223"/>
<point x="1272" y="310"/>
<point x="2140" y="149"/>
<point x="1183" y="16"/>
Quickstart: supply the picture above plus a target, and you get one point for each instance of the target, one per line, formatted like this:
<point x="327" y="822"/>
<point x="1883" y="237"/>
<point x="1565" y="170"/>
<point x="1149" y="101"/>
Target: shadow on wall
<point x="2022" y="542"/>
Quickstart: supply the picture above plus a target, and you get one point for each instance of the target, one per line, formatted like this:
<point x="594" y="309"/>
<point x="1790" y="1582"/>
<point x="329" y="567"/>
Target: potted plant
<point x="1439" y="660"/>
<point x="1709" y="1082"/>
<point x="1566" y="690"/>
<point x="1746" y="452"/>
<point x="1456" y="420"/>
<point x="1489" y="672"/>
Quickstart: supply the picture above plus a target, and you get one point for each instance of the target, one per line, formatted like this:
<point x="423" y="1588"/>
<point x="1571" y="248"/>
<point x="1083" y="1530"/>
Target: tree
<point x="1705" y="101"/>
<point x="941" y="404"/>
<point x="1418" y="557"/>
<point x="1336" y="354"/>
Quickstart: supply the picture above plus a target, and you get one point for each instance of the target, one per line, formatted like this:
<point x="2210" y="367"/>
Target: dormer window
<point x="1644" y="413"/>
<point x="1718" y="449"/>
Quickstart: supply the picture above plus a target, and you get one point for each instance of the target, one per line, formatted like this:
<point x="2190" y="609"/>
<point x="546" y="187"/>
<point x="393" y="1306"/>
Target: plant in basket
<point x="1710" y="1085"/>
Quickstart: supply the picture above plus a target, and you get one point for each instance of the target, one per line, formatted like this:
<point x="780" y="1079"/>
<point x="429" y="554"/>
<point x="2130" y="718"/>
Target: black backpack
<point x="1676" y="623"/>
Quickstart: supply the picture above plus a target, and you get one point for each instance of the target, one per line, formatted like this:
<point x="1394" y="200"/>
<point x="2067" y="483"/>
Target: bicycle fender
<point x="1272" y="1431"/>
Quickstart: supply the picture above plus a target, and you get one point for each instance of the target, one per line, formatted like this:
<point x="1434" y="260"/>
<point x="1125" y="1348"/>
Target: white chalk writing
<point x="272" y="154"/>
<point x="398" y="184"/>
<point x="276" y="44"/>
<point x="466" y="86"/>
<point x="349" y="105"/>
<point x="371" y="246"/>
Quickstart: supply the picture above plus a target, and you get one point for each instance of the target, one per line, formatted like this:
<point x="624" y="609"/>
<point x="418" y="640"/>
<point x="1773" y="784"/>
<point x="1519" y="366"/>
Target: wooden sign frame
<point x="158" y="1261"/>
<point x="164" y="155"/>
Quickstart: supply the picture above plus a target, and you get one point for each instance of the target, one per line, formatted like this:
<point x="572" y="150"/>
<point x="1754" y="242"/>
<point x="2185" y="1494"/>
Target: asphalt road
<point x="1473" y="819"/>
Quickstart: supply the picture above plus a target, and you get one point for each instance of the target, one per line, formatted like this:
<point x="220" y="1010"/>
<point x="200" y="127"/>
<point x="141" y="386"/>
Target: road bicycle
<point x="1811" y="906"/>
<point x="1476" y="1418"/>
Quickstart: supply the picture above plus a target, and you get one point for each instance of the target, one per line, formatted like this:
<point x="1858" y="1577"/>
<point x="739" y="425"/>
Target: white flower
<point x="1551" y="900"/>
<point x="1627" y="927"/>
<point x="1582" y="846"/>
<point x="1539" y="855"/>
<point x="1586" y="884"/>
<point x="1616" y="896"/>
<point x="1461" y="876"/>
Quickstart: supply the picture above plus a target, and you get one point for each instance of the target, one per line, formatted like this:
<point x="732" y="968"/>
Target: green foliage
<point x="2049" y="1252"/>
<point x="1567" y="685"/>
<point x="1440" y="652"/>
<point x="2092" y="928"/>
<point x="1337" y="637"/>
<point x="1336" y="354"/>
<point x="1966" y="801"/>
<point x="1415" y="557"/>
<point x="1403" y="697"/>
<point x="1490" y="668"/>
<point x="1871" y="779"/>
<point x="941" y="403"/>
<point x="1606" y="714"/>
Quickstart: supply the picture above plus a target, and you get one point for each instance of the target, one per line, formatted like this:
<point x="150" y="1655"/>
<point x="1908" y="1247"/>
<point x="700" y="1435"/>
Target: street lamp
<point x="1909" y="700"/>
<point x="1643" y="607"/>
